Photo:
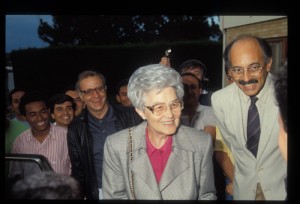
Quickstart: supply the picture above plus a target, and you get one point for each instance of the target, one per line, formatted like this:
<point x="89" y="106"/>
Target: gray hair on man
<point x="150" y="77"/>
<point x="88" y="73"/>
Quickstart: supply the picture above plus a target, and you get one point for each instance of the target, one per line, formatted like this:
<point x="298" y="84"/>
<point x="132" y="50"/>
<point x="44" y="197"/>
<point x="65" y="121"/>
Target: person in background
<point x="194" y="114"/>
<point x="158" y="159"/>
<point x="87" y="133"/>
<point x="249" y="59"/>
<point x="62" y="109"/>
<point x="15" y="125"/>
<point x="14" y="99"/>
<point x="13" y="128"/>
<point x="280" y="84"/>
<point x="71" y="91"/>
<point x="200" y="117"/>
<point x="121" y="93"/>
<point x="47" y="186"/>
<point x="41" y="138"/>
<point x="199" y="69"/>
<point x="223" y="155"/>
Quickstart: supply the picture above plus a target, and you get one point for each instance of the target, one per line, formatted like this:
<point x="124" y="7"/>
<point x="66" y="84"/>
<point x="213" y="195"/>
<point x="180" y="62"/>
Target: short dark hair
<point x="193" y="75"/>
<point x="14" y="91"/>
<point x="59" y="99"/>
<point x="280" y="85"/>
<point x="123" y="82"/>
<point x="30" y="97"/>
<point x="69" y="88"/>
<point x="193" y="63"/>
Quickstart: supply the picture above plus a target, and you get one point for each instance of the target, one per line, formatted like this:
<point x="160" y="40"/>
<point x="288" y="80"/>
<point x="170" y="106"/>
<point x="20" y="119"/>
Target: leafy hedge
<point x="52" y="69"/>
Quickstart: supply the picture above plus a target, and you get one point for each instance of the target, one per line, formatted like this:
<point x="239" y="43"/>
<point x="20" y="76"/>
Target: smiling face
<point x="167" y="123"/>
<point x="244" y="53"/>
<point x="38" y="117"/>
<point x="63" y="114"/>
<point x="96" y="102"/>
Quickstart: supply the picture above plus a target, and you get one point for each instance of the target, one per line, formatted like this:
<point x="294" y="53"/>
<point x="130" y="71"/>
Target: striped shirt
<point x="54" y="148"/>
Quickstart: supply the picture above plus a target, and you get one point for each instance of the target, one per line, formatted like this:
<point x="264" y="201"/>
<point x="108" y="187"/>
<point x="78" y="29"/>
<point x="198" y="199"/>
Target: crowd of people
<point x="163" y="138"/>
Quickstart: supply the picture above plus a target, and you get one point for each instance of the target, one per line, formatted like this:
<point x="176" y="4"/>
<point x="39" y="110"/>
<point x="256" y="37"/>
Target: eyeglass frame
<point x="248" y="68"/>
<point x="98" y="89"/>
<point x="151" y="108"/>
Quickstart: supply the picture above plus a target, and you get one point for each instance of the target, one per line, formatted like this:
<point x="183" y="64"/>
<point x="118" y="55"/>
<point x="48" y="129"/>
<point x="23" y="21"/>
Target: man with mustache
<point x="259" y="171"/>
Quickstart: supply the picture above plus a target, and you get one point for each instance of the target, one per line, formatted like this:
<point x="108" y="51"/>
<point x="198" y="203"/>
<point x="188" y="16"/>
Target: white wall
<point x="233" y="21"/>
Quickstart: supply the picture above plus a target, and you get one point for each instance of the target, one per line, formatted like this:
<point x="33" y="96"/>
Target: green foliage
<point x="52" y="69"/>
<point x="118" y="30"/>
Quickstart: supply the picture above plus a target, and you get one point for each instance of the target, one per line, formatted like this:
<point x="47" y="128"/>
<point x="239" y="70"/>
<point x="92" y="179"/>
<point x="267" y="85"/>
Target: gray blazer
<point x="188" y="174"/>
<point x="268" y="168"/>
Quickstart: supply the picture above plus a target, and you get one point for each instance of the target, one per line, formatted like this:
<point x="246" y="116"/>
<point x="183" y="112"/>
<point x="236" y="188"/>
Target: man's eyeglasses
<point x="89" y="92"/>
<point x="252" y="69"/>
<point x="161" y="108"/>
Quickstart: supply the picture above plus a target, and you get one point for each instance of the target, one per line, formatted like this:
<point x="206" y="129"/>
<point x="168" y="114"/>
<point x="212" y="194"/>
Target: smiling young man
<point x="251" y="133"/>
<point x="62" y="109"/>
<point x="42" y="137"/>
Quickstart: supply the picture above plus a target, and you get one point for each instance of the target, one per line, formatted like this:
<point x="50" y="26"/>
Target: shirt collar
<point x="31" y="137"/>
<point x="108" y="117"/>
<point x="262" y="95"/>
<point x="167" y="147"/>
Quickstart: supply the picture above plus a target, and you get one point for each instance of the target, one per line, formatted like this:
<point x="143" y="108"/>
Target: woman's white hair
<point x="150" y="77"/>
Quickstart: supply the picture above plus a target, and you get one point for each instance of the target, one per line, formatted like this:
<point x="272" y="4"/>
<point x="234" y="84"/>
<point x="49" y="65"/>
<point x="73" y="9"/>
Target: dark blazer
<point x="80" y="146"/>
<point x="188" y="174"/>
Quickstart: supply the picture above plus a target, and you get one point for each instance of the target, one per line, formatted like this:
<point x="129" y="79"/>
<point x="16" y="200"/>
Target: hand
<point x="165" y="61"/>
<point x="229" y="188"/>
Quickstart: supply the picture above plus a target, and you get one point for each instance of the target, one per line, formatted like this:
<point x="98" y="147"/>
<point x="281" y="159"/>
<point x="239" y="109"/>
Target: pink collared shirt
<point x="158" y="157"/>
<point x="54" y="148"/>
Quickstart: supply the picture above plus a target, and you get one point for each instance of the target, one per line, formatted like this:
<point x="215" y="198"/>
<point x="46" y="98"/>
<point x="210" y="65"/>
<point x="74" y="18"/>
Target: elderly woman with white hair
<point x="158" y="159"/>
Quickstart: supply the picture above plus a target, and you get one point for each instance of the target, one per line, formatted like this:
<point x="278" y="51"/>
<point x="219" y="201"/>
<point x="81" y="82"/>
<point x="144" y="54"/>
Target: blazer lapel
<point x="270" y="121"/>
<point x="236" y="119"/>
<point x="176" y="163"/>
<point x="174" y="167"/>
<point x="141" y="165"/>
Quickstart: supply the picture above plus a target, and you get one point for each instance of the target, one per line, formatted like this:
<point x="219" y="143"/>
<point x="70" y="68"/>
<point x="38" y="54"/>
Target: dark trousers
<point x="219" y="180"/>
